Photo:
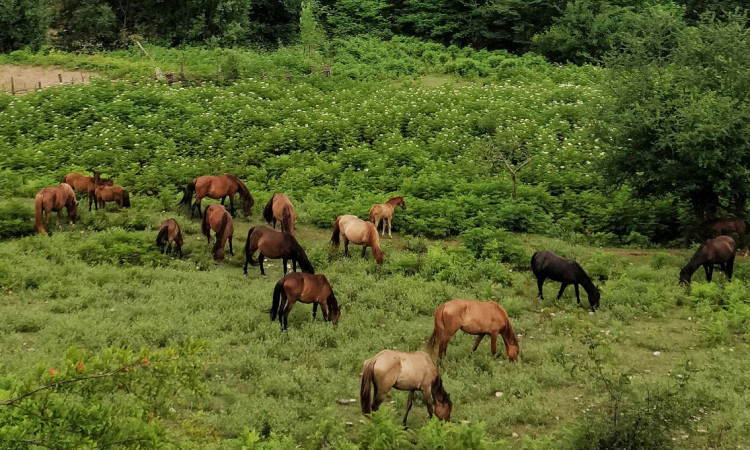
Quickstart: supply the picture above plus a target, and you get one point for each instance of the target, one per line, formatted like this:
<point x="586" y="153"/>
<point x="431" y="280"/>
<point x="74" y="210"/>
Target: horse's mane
<point x="333" y="304"/>
<point x="438" y="391"/>
<point x="304" y="263"/>
<point x="695" y="262"/>
<point x="398" y="197"/>
<point x="244" y="192"/>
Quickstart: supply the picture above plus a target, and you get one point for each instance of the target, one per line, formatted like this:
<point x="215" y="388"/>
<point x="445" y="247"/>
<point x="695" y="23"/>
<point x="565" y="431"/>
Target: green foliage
<point x="15" y="220"/>
<point x="23" y="23"/>
<point x="312" y="35"/>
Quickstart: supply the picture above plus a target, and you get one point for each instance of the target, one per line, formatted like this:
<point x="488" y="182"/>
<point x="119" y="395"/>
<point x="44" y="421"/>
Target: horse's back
<point x="356" y="229"/>
<point x="722" y="248"/>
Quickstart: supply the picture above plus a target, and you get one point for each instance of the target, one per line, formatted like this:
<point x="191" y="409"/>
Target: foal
<point x="87" y="185"/>
<point x="714" y="251"/>
<point x="566" y="271"/>
<point x="217" y="218"/>
<point x="304" y="288"/>
<point x="169" y="232"/>
<point x="384" y="211"/>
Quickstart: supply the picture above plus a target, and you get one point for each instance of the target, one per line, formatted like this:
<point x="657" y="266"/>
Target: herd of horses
<point x="415" y="371"/>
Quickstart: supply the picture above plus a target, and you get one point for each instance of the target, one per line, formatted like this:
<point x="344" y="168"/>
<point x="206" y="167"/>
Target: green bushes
<point x="16" y="220"/>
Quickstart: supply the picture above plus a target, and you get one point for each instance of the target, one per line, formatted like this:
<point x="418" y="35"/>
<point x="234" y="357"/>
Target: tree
<point x="682" y="117"/>
<point x="509" y="149"/>
<point x="311" y="33"/>
<point x="23" y="23"/>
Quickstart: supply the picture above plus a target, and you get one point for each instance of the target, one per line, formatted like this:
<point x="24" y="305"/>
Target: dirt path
<point x="28" y="78"/>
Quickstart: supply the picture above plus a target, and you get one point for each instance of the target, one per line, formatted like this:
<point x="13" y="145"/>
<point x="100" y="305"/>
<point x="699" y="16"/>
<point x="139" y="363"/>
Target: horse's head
<point x="247" y="203"/>
<point x="401" y="203"/>
<point x="684" y="278"/>
<point x="108" y="182"/>
<point x="334" y="314"/>
<point x="73" y="210"/>
<point x="443" y="404"/>
<point x="594" y="299"/>
<point x="377" y="254"/>
<point x="219" y="255"/>
<point x="513" y="353"/>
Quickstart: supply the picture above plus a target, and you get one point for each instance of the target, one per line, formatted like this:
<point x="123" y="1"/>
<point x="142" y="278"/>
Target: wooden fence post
<point x="59" y="77"/>
<point x="40" y="85"/>
<point x="12" y="86"/>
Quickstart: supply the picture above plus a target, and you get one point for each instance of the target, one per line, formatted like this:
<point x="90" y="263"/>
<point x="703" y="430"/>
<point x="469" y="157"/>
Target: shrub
<point x="16" y="220"/>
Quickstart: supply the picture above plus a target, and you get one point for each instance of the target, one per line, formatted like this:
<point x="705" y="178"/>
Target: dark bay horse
<point x="473" y="317"/>
<point x="54" y="199"/>
<point x="216" y="187"/>
<point x="169" y="233"/>
<point x="217" y="218"/>
<point x="274" y="245"/>
<point x="357" y="231"/>
<point x="718" y="227"/>
<point x="384" y="212"/>
<point x="87" y="185"/>
<point x="115" y="194"/>
<point x="406" y="372"/>
<point x="714" y="251"/>
<point x="566" y="271"/>
<point x="279" y="207"/>
<point x="305" y="288"/>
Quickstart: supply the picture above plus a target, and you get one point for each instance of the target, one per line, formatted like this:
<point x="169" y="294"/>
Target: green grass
<point x="56" y="292"/>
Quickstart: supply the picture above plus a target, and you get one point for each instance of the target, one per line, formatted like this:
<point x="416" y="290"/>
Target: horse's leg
<point x="58" y="219"/>
<point x="274" y="223"/>
<point x="231" y="250"/>
<point x="493" y="341"/>
<point x="231" y="204"/>
<point x="383" y="232"/>
<point x="379" y="395"/>
<point x="324" y="310"/>
<point x="476" y="343"/>
<point x="539" y="283"/>
<point x="294" y="264"/>
<point x="91" y="201"/>
<point x="364" y="248"/>
<point x="284" y="263"/>
<point x="289" y="305"/>
<point x="729" y="268"/>
<point x="389" y="227"/>
<point x="562" y="289"/>
<point x="709" y="271"/>
<point x="427" y="393"/>
<point x="409" y="401"/>
<point x="346" y="247"/>
<point x="578" y="296"/>
<point x="260" y="261"/>
<point x="222" y="200"/>
<point x="446" y="337"/>
<point x="315" y="310"/>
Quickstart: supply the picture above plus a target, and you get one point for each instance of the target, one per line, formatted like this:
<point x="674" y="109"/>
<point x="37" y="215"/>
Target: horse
<point x="476" y="318"/>
<point x="405" y="372"/>
<point x="718" y="227"/>
<point x="169" y="232"/>
<point x="217" y="218"/>
<point x="384" y="211"/>
<point x="714" y="251"/>
<point x="305" y="288"/>
<point x="86" y="185"/>
<point x="279" y="207"/>
<point x="54" y="199"/>
<point x="216" y="187"/>
<point x="274" y="245"/>
<point x="566" y="271"/>
<point x="115" y="194"/>
<point x="357" y="231"/>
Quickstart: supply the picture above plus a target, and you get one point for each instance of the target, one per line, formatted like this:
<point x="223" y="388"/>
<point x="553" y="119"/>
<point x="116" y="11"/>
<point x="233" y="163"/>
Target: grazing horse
<point x="169" y="232"/>
<point x="220" y="186"/>
<point x="274" y="245"/>
<point x="305" y="288"/>
<point x="54" y="199"/>
<point x="719" y="227"/>
<point x="115" y="194"/>
<point x="566" y="271"/>
<point x="87" y="185"/>
<point x="279" y="207"/>
<point x="405" y="372"/>
<point x="384" y="211"/>
<point x="714" y="251"/>
<point x="217" y="218"/>
<point x="473" y="317"/>
<point x="357" y="231"/>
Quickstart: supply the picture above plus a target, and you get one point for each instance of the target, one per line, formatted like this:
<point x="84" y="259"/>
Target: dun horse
<point x="54" y="199"/>
<point x="566" y="271"/>
<point x="169" y="233"/>
<point x="86" y="185"/>
<point x="279" y="207"/>
<point x="217" y="218"/>
<point x="274" y="245"/>
<point x="305" y="288"/>
<point x="216" y="187"/>
<point x="405" y="372"/>
<point x="473" y="317"/>
<point x="357" y="231"/>
<point x="384" y="211"/>
<point x="714" y="251"/>
<point x="719" y="227"/>
<point x="115" y="194"/>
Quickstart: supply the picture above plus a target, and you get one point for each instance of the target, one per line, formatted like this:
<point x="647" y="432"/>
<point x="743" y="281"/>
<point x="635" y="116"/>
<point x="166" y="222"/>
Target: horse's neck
<point x="588" y="285"/>
<point x="696" y="261"/>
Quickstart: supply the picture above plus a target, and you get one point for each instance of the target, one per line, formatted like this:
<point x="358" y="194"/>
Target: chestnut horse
<point x="274" y="245"/>
<point x="305" y="288"/>
<point x="357" y="231"/>
<point x="217" y="218"/>
<point x="115" y="194"/>
<point x="714" y="251"/>
<point x="566" y="271"/>
<point x="169" y="232"/>
<point x="384" y="211"/>
<point x="85" y="185"/>
<point x="473" y="317"/>
<point x="719" y="227"/>
<point x="405" y="372"/>
<point x="54" y="199"/>
<point x="279" y="207"/>
<point x="217" y="187"/>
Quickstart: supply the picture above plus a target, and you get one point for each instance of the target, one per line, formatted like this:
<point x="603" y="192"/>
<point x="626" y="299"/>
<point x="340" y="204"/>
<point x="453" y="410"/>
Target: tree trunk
<point x="739" y="206"/>
<point x="513" y="180"/>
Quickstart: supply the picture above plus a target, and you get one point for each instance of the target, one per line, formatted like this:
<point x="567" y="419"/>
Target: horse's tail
<point x="336" y="237"/>
<point x="220" y="233"/>
<point x="437" y="332"/>
<point x="204" y="224"/>
<point x="268" y="210"/>
<point x="187" y="197"/>
<point x="278" y="295"/>
<point x="248" y="256"/>
<point x="163" y="236"/>
<point x="125" y="199"/>
<point x="38" y="207"/>
<point x="286" y="220"/>
<point x="375" y="244"/>
<point x="368" y="371"/>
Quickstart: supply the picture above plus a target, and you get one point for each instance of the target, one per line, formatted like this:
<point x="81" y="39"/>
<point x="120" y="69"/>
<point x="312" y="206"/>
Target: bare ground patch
<point x="29" y="78"/>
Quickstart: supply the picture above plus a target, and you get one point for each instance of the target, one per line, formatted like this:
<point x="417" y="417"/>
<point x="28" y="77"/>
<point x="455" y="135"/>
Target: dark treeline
<point x="563" y="30"/>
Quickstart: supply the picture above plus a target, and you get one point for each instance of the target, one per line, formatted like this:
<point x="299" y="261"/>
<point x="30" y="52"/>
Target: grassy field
<point x="102" y="283"/>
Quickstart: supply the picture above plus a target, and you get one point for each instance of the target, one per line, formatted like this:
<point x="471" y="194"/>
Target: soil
<point x="27" y="78"/>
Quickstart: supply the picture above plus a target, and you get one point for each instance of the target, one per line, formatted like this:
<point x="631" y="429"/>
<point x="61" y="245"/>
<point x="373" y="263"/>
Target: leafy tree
<point x="23" y="23"/>
<point x="87" y="24"/>
<point x="312" y="35"/>
<point x="353" y="17"/>
<point x="509" y="149"/>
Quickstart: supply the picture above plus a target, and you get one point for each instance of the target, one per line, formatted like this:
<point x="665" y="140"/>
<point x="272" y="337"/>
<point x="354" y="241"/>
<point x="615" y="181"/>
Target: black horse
<point x="566" y="271"/>
<point x="275" y="245"/>
<point x="714" y="251"/>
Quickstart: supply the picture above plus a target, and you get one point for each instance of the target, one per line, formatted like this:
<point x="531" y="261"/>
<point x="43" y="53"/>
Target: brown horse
<point x="714" y="251"/>
<point x="54" y="199"/>
<point x="405" y="372"/>
<point x="274" y="245"/>
<point x="169" y="232"/>
<point x="357" y="231"/>
<point x="217" y="187"/>
<point x="473" y="317"/>
<point x="719" y="227"/>
<point x="86" y="185"/>
<point x="305" y="288"/>
<point x="115" y="194"/>
<point x="217" y="218"/>
<point x="279" y="207"/>
<point x="384" y="211"/>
